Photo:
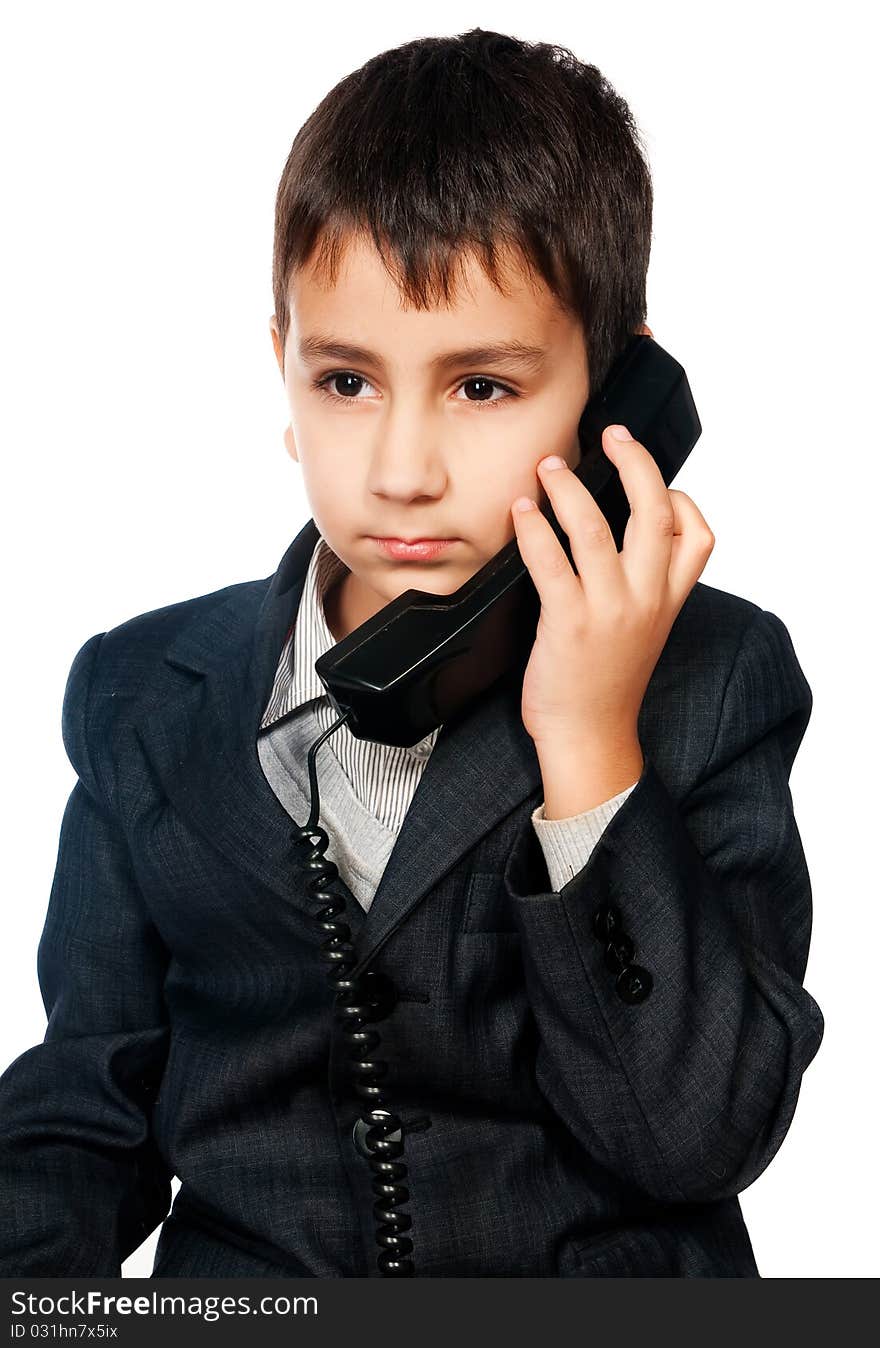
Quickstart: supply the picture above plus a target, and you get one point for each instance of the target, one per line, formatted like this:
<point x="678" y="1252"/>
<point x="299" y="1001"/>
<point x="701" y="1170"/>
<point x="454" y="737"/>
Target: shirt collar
<point x="295" y="679"/>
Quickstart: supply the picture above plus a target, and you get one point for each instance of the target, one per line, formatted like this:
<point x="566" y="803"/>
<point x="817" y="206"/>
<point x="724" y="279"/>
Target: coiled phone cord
<point x="384" y="1130"/>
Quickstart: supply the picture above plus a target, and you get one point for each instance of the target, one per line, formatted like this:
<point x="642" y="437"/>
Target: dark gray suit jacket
<point x="574" y="1131"/>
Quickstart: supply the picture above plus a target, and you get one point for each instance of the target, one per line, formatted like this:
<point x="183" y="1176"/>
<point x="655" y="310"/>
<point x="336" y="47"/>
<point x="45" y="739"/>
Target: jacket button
<point x="633" y="984"/>
<point x="379" y="993"/>
<point x="618" y="952"/>
<point x="359" y="1135"/>
<point x="606" y="921"/>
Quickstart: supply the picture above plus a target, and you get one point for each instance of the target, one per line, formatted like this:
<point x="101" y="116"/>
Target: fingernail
<point x="523" y="503"/>
<point x="620" y="433"/>
<point x="553" y="461"/>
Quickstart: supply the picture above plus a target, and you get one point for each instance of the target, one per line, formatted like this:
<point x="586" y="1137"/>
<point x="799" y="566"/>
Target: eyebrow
<point x="492" y="353"/>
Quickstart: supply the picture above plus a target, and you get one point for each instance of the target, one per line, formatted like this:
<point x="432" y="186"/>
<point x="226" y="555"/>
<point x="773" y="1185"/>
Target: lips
<point x="417" y="549"/>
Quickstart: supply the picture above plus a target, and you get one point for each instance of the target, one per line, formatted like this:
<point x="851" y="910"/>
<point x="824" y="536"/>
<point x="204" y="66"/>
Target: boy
<point x="583" y="905"/>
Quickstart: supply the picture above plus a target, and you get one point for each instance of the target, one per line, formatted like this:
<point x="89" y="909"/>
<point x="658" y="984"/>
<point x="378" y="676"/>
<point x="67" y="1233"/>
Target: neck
<point x="348" y="604"/>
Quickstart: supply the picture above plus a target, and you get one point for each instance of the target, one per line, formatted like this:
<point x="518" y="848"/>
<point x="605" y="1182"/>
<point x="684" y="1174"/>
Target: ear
<point x="277" y="343"/>
<point x="290" y="443"/>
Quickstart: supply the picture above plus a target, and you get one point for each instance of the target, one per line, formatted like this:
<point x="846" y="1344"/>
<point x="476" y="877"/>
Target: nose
<point x="406" y="462"/>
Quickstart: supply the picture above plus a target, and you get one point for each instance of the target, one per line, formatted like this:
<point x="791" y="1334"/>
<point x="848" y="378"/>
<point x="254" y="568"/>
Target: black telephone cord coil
<point x="384" y="1131"/>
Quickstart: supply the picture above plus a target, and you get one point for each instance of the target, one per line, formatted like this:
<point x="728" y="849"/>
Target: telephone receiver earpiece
<point x="423" y="658"/>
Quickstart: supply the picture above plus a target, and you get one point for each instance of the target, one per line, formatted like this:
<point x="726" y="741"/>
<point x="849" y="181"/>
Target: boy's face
<point x="399" y="445"/>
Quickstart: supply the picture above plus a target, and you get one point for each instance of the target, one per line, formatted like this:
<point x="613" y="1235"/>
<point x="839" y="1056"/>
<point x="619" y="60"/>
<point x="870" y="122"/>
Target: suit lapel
<point x="481" y="767"/>
<point x="201" y="737"/>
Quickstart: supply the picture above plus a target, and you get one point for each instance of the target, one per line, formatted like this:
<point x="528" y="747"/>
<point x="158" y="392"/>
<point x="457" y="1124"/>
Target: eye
<point x="322" y="385"/>
<point x="482" y="382"/>
<point x="352" y="382"/>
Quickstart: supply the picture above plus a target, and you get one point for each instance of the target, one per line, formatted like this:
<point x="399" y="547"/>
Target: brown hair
<point x="449" y="144"/>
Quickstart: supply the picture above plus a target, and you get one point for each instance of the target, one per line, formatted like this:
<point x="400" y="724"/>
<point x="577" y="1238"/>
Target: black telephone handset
<point x="418" y="661"/>
<point x="411" y="667"/>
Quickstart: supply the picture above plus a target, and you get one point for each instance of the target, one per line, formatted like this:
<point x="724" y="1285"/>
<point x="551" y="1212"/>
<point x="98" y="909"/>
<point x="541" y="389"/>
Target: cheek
<point x="522" y="481"/>
<point x="493" y="518"/>
<point x="329" y="476"/>
<point x="331" y="509"/>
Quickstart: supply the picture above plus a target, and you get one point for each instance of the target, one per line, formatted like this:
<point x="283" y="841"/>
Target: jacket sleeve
<point x="666" y="977"/>
<point x="83" y="1183"/>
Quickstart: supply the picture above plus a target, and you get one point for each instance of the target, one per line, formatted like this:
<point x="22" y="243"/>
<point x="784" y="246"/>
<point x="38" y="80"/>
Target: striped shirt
<point x="384" y="777"/>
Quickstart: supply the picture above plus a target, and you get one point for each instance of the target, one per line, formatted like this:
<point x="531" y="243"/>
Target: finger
<point x="551" y="572"/>
<point x="692" y="546"/>
<point x="592" y="544"/>
<point x="647" y="539"/>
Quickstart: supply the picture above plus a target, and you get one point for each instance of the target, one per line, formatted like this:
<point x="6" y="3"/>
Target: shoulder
<point x="708" y="609"/>
<point x="730" y="631"/>
<point x="751" y="675"/>
<point x="727" y="676"/>
<point x="739" y="632"/>
<point x="112" y="668"/>
<point x="130" y="650"/>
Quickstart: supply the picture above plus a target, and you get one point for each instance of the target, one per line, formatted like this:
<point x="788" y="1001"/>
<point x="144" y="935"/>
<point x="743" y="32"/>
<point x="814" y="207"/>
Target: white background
<point x="143" y="410"/>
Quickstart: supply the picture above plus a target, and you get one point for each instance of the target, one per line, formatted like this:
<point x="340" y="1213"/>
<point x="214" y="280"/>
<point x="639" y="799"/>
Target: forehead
<point x="364" y="290"/>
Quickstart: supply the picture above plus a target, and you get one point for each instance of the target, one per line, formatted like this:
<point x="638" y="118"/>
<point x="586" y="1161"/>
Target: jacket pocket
<point x="191" y="1245"/>
<point x="486" y="909"/>
<point x="638" y="1253"/>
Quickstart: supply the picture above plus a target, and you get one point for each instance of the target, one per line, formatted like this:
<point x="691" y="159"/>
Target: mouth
<point x="413" y="549"/>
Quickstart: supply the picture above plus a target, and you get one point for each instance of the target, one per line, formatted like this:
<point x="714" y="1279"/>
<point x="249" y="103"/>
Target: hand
<point x="602" y="628"/>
